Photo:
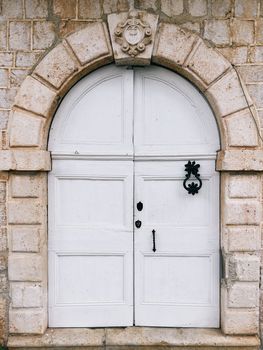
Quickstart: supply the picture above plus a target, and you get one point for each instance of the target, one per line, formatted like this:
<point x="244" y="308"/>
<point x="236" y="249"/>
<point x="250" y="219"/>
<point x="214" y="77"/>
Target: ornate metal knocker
<point x="192" y="169"/>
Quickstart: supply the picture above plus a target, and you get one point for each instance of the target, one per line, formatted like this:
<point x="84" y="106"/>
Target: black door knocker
<point x="192" y="169"/>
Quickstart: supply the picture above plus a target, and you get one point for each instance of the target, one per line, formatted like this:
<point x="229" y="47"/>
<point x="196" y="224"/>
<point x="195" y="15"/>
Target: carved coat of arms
<point x="133" y="35"/>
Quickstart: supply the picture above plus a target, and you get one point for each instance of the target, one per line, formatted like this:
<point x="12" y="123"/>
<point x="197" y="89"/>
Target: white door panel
<point x="123" y="136"/>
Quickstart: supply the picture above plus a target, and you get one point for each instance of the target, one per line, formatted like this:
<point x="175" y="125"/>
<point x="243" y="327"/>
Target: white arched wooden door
<point x="128" y="245"/>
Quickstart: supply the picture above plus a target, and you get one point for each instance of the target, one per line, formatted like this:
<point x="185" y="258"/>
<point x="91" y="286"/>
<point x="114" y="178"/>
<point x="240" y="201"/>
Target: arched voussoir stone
<point x="174" y="48"/>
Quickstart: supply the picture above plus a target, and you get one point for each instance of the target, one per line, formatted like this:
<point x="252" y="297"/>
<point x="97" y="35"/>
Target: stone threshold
<point x="133" y="337"/>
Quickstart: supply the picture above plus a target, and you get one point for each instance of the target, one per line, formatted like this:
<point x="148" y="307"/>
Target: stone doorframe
<point x="240" y="162"/>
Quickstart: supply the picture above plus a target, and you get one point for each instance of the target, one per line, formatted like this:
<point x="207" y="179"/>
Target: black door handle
<point x="154" y="247"/>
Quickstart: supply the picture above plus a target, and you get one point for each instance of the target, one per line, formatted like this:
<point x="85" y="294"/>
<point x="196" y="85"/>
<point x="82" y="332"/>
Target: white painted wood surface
<point x="121" y="136"/>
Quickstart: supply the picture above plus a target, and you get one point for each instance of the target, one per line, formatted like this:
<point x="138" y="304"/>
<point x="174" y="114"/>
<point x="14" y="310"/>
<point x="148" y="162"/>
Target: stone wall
<point x="30" y="28"/>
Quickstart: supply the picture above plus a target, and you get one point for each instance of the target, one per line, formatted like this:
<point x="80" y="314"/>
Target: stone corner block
<point x="172" y="45"/>
<point x="28" y="321"/>
<point x="207" y="63"/>
<point x="26" y="130"/>
<point x="240" y="160"/>
<point x="137" y="39"/>
<point x="91" y="43"/>
<point x="23" y="160"/>
<point x="27" y="267"/>
<point x="35" y="97"/>
<point x="226" y="95"/>
<point x="57" y="66"/>
<point x="236" y="321"/>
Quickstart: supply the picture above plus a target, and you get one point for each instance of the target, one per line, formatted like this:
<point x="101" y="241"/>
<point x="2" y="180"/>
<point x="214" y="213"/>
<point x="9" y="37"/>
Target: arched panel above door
<point x="167" y="116"/>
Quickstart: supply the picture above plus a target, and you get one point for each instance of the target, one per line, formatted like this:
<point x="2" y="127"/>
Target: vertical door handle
<point x="154" y="248"/>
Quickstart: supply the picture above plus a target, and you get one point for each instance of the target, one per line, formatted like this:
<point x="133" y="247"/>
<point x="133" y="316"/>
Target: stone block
<point x="207" y="63"/>
<point x="197" y="8"/>
<point x="26" y="59"/>
<point x="4" y="78"/>
<point x="236" y="321"/>
<point x="31" y="91"/>
<point x="173" y="44"/>
<point x="172" y="8"/>
<point x="25" y="267"/>
<point x="243" y="267"/>
<point x="90" y="43"/>
<point x="26" y="294"/>
<point x="26" y="186"/>
<point x="235" y="55"/>
<point x="3" y="35"/>
<point x="25" y="239"/>
<point x="44" y="34"/>
<point x="244" y="186"/>
<point x="246" y="212"/>
<point x="64" y="9"/>
<point x="26" y="130"/>
<point x="12" y="9"/>
<point x="4" y="117"/>
<point x="25" y="212"/>
<point x="247" y="9"/>
<point x="226" y="94"/>
<point x="218" y="31"/>
<point x="193" y="26"/>
<point x="243" y="295"/>
<point x="259" y="31"/>
<point x="56" y="66"/>
<point x="20" y="35"/>
<point x="256" y="93"/>
<point x="17" y="76"/>
<point x="6" y="59"/>
<point x="110" y="6"/>
<point x="3" y="240"/>
<point x="7" y="97"/>
<point x="258" y="54"/>
<point x="27" y="321"/>
<point x="241" y="159"/>
<point x="142" y="58"/>
<point x="3" y="263"/>
<point x="36" y="8"/>
<point x="241" y="129"/>
<point x="24" y="160"/>
<point x="146" y="4"/>
<point x="251" y="73"/>
<point x="89" y="9"/>
<point x="243" y="32"/>
<point x="221" y="8"/>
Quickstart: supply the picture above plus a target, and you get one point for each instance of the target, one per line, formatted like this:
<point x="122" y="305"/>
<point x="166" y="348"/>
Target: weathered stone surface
<point x="24" y="160"/>
<point x="243" y="238"/>
<point x="3" y="35"/>
<point x="172" y="7"/>
<point x="57" y="66"/>
<point x="6" y="59"/>
<point x="243" y="267"/>
<point x="36" y="8"/>
<point x="12" y="9"/>
<point x="242" y="212"/>
<point x="240" y="321"/>
<point x="26" y="186"/>
<point x="256" y="93"/>
<point x="241" y="129"/>
<point x="44" y="34"/>
<point x="28" y="321"/>
<point x="235" y="55"/>
<point x="7" y="97"/>
<point x="31" y="91"/>
<point x="121" y="57"/>
<point x="25" y="212"/>
<point x="110" y="6"/>
<point x="251" y="74"/>
<point x="64" y="9"/>
<point x="25" y="267"/>
<point x="25" y="239"/>
<point x="221" y="8"/>
<point x="243" y="32"/>
<point x="259" y="31"/>
<point x="247" y="9"/>
<point x="197" y="8"/>
<point x="17" y="76"/>
<point x="26" y="59"/>
<point x="20" y="35"/>
<point x="26" y="130"/>
<point x="26" y="294"/>
<point x="242" y="160"/>
<point x="244" y="186"/>
<point x="207" y="63"/>
<point x="89" y="9"/>
<point x="218" y="31"/>
<point x="226" y="94"/>
<point x="4" y="78"/>
<point x="90" y="43"/>
<point x="172" y="44"/>
<point x="243" y="295"/>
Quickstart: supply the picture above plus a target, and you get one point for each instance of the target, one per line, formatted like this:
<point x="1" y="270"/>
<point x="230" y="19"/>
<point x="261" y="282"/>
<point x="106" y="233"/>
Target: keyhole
<point x="139" y="206"/>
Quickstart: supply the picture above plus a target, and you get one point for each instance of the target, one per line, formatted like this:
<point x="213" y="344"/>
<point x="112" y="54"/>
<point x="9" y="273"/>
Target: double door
<point x="128" y="245"/>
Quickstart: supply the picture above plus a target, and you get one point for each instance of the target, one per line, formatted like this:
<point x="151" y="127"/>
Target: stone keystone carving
<point x="133" y="35"/>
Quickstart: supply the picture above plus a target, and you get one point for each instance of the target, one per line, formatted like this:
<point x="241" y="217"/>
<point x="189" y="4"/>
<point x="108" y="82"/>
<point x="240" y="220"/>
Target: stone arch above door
<point x="175" y="48"/>
<point x="183" y="52"/>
